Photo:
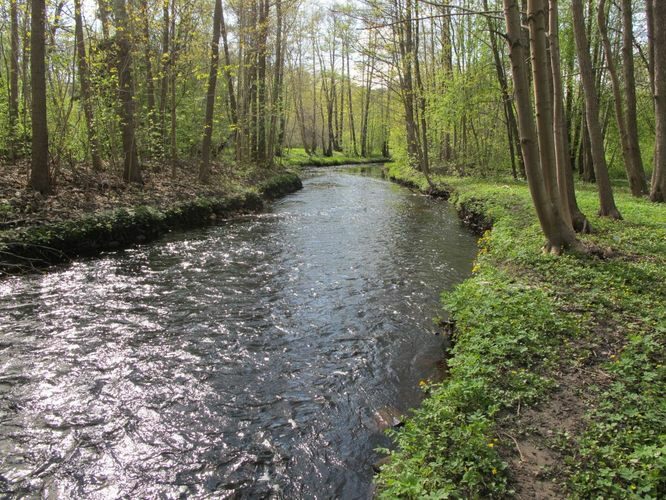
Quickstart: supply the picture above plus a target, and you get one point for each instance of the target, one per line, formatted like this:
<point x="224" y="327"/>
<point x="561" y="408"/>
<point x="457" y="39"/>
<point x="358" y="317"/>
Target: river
<point x="245" y="360"/>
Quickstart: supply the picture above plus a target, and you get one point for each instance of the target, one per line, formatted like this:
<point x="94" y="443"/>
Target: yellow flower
<point x="494" y="471"/>
<point x="491" y="445"/>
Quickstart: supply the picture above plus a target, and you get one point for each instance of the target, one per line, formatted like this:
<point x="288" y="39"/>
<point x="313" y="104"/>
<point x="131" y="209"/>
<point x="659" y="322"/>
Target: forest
<point x="542" y="123"/>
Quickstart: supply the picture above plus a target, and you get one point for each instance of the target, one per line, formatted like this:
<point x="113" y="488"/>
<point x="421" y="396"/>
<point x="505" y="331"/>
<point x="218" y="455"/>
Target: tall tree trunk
<point x="541" y="76"/>
<point x="150" y="83"/>
<point x="277" y="110"/>
<point x="131" y="167"/>
<point x="509" y="116"/>
<point x="350" y="102"/>
<point x="425" y="162"/>
<point x="233" y="108"/>
<point x="366" y="107"/>
<point x="84" y="82"/>
<point x="40" y="179"/>
<point x="164" y="64"/>
<point x="606" y="200"/>
<point x="172" y="88"/>
<point x="658" y="188"/>
<point x="404" y="31"/>
<point x="104" y="10"/>
<point x="262" y="50"/>
<point x="636" y="179"/>
<point x="204" y="170"/>
<point x="565" y="180"/>
<point x="555" y="230"/>
<point x="13" y="81"/>
<point x="630" y="89"/>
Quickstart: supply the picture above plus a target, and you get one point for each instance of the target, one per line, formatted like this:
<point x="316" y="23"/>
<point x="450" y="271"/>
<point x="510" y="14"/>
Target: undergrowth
<point x="519" y="319"/>
<point x="297" y="157"/>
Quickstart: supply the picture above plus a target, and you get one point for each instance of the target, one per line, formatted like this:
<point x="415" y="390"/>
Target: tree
<point x="606" y="200"/>
<point x="84" y="83"/>
<point x="204" y="171"/>
<point x="564" y="168"/>
<point x="658" y="189"/>
<point x="40" y="179"/>
<point x="538" y="165"/>
<point x="630" y="90"/>
<point x="131" y="166"/>
<point x="632" y="165"/>
<point x="13" y="80"/>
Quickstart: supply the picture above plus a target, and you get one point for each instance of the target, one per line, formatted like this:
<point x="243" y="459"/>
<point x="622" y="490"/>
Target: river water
<point x="244" y="360"/>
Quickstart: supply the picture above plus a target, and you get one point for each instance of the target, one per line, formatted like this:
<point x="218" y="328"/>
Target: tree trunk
<point x="630" y="89"/>
<point x="352" y="128"/>
<point x="150" y="83"/>
<point x="40" y="179"/>
<point x="555" y="230"/>
<point x="103" y="6"/>
<point x="425" y="162"/>
<point x="658" y="188"/>
<point x="131" y="167"/>
<point x="84" y="82"/>
<point x="204" y="170"/>
<point x="542" y="77"/>
<point x="606" y="199"/>
<point x="164" y="61"/>
<point x="13" y="81"/>
<point x="636" y="179"/>
<point x="509" y="116"/>
<point x="233" y="108"/>
<point x="564" y="170"/>
<point x="261" y="81"/>
<point x="277" y="104"/>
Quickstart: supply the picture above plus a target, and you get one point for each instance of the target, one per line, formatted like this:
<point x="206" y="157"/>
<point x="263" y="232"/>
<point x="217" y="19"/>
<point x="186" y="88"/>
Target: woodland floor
<point x="80" y="191"/>
<point x="558" y="374"/>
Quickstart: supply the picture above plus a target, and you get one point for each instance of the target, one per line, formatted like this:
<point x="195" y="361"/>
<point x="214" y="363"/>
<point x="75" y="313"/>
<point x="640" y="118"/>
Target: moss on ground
<point x="523" y="321"/>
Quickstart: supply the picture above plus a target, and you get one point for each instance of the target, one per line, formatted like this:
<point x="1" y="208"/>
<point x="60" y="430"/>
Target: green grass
<point x="519" y="319"/>
<point x="297" y="157"/>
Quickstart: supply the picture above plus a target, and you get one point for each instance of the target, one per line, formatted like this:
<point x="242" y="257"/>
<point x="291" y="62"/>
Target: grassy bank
<point x="297" y="157"/>
<point x="557" y="377"/>
<point x="34" y="246"/>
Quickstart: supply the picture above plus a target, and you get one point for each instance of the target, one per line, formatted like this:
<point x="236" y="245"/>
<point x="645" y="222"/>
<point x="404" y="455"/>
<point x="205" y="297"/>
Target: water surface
<point x="243" y="360"/>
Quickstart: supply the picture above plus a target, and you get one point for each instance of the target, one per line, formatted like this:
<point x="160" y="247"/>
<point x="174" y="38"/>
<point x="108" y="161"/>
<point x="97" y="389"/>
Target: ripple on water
<point x="243" y="360"/>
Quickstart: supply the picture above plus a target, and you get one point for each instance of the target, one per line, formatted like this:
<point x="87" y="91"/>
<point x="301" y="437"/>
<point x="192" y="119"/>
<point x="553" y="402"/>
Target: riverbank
<point x="558" y="371"/>
<point x="297" y="157"/>
<point x="94" y="217"/>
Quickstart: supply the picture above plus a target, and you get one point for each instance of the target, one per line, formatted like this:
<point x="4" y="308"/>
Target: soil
<point x="536" y="441"/>
<point x="79" y="191"/>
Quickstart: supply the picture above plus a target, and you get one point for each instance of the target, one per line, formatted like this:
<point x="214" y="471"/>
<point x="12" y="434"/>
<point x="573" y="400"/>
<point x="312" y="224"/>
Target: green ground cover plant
<point x="521" y="321"/>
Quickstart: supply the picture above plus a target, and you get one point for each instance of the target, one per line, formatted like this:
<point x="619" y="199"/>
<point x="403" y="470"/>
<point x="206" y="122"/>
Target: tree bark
<point x="555" y="230"/>
<point x="277" y="105"/>
<point x="606" y="199"/>
<point x="541" y="77"/>
<point x="564" y="169"/>
<point x="352" y="128"/>
<point x="658" y="188"/>
<point x="84" y="82"/>
<point x="40" y="179"/>
<point x="204" y="169"/>
<point x="131" y="167"/>
<point x="636" y="179"/>
<point x="13" y="81"/>
<point x="233" y="108"/>
<point x="164" y="64"/>
<point x="630" y="89"/>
